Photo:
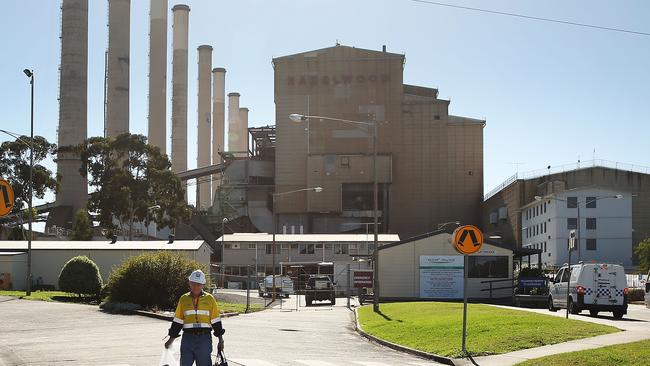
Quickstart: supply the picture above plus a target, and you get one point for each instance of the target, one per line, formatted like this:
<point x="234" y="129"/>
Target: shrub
<point x="152" y="279"/>
<point x="636" y="294"/>
<point x="80" y="276"/>
<point x="119" y="307"/>
<point x="82" y="226"/>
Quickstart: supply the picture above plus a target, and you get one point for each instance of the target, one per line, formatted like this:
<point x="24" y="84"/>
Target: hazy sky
<point x="550" y="93"/>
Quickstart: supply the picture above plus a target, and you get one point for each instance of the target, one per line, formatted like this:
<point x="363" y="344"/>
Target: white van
<point x="593" y="286"/>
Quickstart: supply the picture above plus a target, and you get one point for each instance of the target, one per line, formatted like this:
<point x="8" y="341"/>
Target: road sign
<point x="467" y="239"/>
<point x="6" y="198"/>
<point x="362" y="278"/>
<point x="572" y="240"/>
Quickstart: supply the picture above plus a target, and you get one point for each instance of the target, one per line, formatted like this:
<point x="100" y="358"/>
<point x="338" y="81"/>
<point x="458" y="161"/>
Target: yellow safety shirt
<point x="202" y="316"/>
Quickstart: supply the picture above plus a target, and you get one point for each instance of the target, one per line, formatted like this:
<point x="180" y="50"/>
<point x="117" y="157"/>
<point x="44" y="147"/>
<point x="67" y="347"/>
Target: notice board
<point x="441" y="276"/>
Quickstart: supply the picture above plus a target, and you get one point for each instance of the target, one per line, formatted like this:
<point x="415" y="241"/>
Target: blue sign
<point x="539" y="282"/>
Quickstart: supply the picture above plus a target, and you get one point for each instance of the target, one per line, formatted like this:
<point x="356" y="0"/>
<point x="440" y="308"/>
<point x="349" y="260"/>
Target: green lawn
<point x="436" y="327"/>
<point x="46" y="296"/>
<point x="637" y="353"/>
<point x="226" y="307"/>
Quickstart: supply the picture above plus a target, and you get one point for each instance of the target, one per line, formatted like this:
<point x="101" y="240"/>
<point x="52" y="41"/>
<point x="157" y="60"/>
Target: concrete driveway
<point x="42" y="333"/>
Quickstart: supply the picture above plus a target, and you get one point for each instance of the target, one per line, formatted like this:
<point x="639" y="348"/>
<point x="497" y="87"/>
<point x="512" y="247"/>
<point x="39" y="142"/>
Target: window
<point x="536" y="210"/>
<point x="488" y="267"/>
<point x="345" y="161"/>
<point x="591" y="244"/>
<point x="319" y="246"/>
<point x="544" y="207"/>
<point x="252" y="246"/>
<point x="544" y="247"/>
<point x="269" y="248"/>
<point x="572" y="202"/>
<point x="571" y="223"/>
<point x="544" y="227"/>
<point x="340" y="249"/>
<point x="591" y="202"/>
<point x="559" y="275"/>
<point x="591" y="223"/>
<point x="285" y="246"/>
<point x="227" y="246"/>
<point x="306" y="248"/>
<point x="566" y="274"/>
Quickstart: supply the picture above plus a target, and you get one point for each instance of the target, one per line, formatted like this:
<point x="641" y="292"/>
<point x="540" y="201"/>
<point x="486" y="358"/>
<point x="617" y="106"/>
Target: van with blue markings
<point x="596" y="287"/>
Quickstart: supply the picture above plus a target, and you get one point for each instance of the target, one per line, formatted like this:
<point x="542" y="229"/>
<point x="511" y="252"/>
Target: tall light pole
<point x="223" y="234"/>
<point x="375" y="256"/>
<point x="578" y="203"/>
<point x="275" y="195"/>
<point x="30" y="74"/>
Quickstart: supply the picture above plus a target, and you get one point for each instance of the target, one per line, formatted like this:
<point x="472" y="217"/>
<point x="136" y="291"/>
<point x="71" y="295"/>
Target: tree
<point x="129" y="176"/>
<point x="642" y="252"/>
<point x="14" y="167"/>
<point x="80" y="275"/>
<point x="81" y="226"/>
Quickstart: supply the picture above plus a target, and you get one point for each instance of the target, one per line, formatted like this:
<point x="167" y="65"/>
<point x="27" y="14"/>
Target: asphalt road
<point x="42" y="333"/>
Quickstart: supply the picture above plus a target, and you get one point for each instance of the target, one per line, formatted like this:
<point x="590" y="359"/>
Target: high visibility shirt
<point x="204" y="316"/>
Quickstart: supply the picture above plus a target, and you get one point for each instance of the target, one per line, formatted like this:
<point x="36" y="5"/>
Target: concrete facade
<point x="516" y="193"/>
<point x="73" y="107"/>
<point x="430" y="164"/>
<point x="243" y="128"/>
<point x="117" y="58"/>
<point x="179" y="88"/>
<point x="49" y="257"/>
<point x="235" y="140"/>
<point x="605" y="227"/>
<point x="218" y="120"/>
<point x="399" y="267"/>
<point x="204" y="124"/>
<point x="157" y="130"/>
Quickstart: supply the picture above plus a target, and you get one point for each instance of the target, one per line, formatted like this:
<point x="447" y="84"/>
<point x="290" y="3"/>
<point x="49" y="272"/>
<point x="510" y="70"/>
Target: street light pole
<point x="300" y="118"/>
<point x="30" y="75"/>
<point x="275" y="195"/>
<point x="223" y="234"/>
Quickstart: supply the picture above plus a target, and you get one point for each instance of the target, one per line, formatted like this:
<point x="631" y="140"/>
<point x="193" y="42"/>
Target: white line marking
<point x="314" y="363"/>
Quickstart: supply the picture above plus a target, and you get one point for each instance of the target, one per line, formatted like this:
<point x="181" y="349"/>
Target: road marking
<point x="314" y="363"/>
<point x="252" y="362"/>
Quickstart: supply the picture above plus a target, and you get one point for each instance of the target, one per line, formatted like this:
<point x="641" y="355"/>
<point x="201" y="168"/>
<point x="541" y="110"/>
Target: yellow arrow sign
<point x="6" y="198"/>
<point x="467" y="239"/>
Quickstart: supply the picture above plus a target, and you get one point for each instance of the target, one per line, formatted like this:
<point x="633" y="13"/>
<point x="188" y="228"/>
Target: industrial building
<point x="429" y="163"/>
<point x="503" y="211"/>
<point x="49" y="257"/>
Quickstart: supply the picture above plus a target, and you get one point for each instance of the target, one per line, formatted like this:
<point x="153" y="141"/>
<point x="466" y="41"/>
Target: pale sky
<point x="551" y="93"/>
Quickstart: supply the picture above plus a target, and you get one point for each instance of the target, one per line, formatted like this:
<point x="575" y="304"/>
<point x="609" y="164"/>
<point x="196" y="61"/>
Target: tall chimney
<point x="204" y="123"/>
<point x="243" y="130"/>
<point x="158" y="74"/>
<point x="117" y="83"/>
<point x="233" y="124"/>
<point x="218" y="118"/>
<point x="179" y="89"/>
<point x="73" y="110"/>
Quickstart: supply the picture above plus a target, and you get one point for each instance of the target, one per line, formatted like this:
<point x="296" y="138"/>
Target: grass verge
<point x="226" y="307"/>
<point x="436" y="327"/>
<point x="637" y="353"/>
<point x="50" y="296"/>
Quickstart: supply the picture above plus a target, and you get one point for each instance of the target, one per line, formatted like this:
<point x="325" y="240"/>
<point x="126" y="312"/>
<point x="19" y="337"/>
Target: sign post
<point x="572" y="247"/>
<point x="467" y="239"/>
<point x="6" y="198"/>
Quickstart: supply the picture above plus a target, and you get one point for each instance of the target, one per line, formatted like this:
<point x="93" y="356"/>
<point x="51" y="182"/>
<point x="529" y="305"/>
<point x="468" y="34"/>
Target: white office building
<point x="605" y="232"/>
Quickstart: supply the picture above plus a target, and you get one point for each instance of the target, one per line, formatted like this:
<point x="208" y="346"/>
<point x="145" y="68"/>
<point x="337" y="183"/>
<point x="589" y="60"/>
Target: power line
<point x="532" y="17"/>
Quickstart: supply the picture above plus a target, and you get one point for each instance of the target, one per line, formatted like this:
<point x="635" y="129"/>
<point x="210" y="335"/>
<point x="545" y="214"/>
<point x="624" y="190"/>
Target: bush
<point x="119" y="307"/>
<point x="80" y="276"/>
<point x="82" y="226"/>
<point x="152" y="279"/>
<point x="636" y="294"/>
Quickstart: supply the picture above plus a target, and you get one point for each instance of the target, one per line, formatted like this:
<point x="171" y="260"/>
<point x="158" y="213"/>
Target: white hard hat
<point x="197" y="276"/>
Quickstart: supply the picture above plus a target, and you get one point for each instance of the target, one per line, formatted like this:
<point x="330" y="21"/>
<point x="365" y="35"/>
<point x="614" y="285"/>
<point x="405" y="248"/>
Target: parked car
<point x="319" y="288"/>
<point x="283" y="286"/>
<point x="593" y="286"/>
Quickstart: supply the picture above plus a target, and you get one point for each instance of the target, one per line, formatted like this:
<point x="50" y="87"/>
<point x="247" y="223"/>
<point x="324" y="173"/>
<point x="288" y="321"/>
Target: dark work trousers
<point x="196" y="348"/>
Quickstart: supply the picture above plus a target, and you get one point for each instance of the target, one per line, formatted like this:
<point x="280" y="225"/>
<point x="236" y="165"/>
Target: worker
<point x="197" y="314"/>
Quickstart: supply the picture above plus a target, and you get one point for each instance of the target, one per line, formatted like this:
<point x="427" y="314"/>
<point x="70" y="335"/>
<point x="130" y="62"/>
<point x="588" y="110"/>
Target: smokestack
<point x="158" y="74"/>
<point x="243" y="130"/>
<point x="204" y="123"/>
<point x="179" y="89"/>
<point x="218" y="119"/>
<point x="233" y="124"/>
<point x="73" y="91"/>
<point x="117" y="83"/>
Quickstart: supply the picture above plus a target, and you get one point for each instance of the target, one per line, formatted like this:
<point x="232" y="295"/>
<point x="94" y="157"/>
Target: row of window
<point x="591" y="244"/>
<point x="541" y="245"/>
<point x="306" y="248"/>
<point x="536" y="230"/>
<point x="572" y="202"/>
<point x="536" y="211"/>
<point x="572" y="223"/>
